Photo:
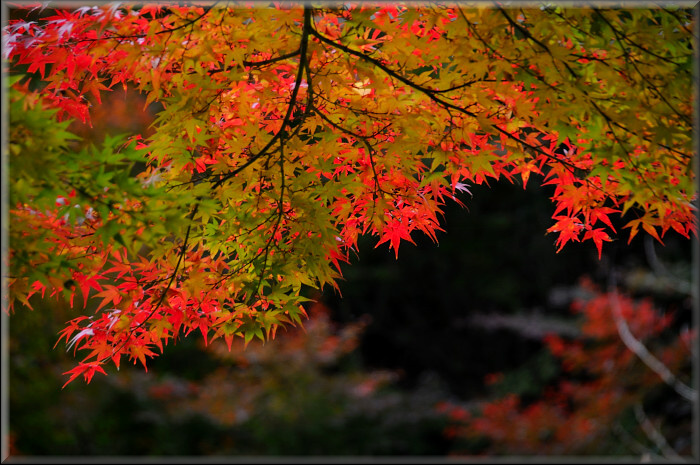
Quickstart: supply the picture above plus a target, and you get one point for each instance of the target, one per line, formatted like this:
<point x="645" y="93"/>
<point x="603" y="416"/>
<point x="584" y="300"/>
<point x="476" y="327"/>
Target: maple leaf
<point x="111" y="295"/>
<point x="393" y="233"/>
<point x="601" y="213"/>
<point x="86" y="283"/>
<point x="568" y="228"/>
<point x="275" y="147"/>
<point x="139" y="351"/>
<point x="88" y="370"/>
<point x="598" y="235"/>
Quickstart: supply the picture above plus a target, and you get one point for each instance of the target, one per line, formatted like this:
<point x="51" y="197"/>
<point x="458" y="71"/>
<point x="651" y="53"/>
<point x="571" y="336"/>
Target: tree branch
<point x="290" y="108"/>
<point x="655" y="435"/>
<point x="640" y="350"/>
<point x="678" y="284"/>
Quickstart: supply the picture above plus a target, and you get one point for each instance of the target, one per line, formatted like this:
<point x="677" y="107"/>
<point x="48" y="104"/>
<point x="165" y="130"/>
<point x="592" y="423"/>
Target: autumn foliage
<point x="601" y="382"/>
<point x="288" y="132"/>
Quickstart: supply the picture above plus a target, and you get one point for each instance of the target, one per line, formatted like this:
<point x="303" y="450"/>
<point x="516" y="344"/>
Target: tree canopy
<point x="286" y="132"/>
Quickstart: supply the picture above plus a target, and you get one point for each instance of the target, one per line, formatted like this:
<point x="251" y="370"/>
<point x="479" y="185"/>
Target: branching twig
<point x="640" y="350"/>
<point x="290" y="108"/>
<point x="161" y="299"/>
<point x="631" y="442"/>
<point x="434" y="96"/>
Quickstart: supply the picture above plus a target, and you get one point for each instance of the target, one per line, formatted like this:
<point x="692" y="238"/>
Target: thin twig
<point x="678" y="284"/>
<point x="655" y="435"/>
<point x="640" y="350"/>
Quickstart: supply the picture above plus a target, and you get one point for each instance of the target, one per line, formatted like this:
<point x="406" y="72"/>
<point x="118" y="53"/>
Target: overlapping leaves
<point x="288" y="132"/>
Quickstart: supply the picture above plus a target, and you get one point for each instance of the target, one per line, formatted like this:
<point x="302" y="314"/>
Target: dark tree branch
<point x="290" y="108"/>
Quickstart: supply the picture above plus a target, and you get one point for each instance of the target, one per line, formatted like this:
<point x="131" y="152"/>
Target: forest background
<point x="453" y="349"/>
